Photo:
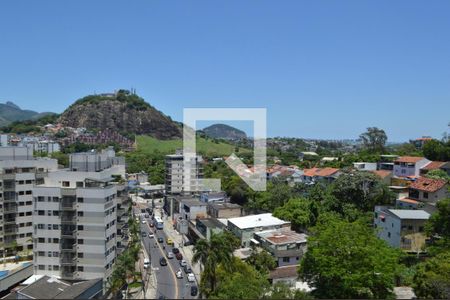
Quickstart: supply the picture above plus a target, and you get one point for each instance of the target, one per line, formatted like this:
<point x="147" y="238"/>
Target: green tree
<point x="374" y="139"/>
<point x="218" y="250"/>
<point x="363" y="190"/>
<point x="439" y="222"/>
<point x="262" y="261"/>
<point x="437" y="150"/>
<point x="438" y="174"/>
<point x="301" y="212"/>
<point x="346" y="260"/>
<point x="241" y="281"/>
<point x="432" y="279"/>
<point x="281" y="290"/>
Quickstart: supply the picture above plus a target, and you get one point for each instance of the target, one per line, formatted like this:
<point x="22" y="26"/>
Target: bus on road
<point x="158" y="223"/>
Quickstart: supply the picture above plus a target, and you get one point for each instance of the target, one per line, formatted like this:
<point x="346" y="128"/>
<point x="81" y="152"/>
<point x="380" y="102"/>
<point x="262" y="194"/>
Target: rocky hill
<point x="223" y="131"/>
<point x="10" y="112"/>
<point x="121" y="111"/>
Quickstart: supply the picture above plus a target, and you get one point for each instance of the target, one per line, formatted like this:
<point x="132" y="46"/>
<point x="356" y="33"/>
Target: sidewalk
<point x="148" y="276"/>
<point x="187" y="251"/>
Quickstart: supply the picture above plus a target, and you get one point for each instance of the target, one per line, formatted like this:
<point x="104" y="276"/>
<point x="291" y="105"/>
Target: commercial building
<point x="245" y="227"/>
<point x="75" y="218"/>
<point x="19" y="171"/>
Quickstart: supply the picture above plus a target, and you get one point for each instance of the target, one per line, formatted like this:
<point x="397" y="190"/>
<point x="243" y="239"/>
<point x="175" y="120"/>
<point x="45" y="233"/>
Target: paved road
<point x="168" y="285"/>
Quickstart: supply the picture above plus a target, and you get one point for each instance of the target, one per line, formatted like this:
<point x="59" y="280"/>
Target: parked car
<point x="160" y="240"/>
<point x="143" y="234"/>
<point x="187" y="269"/>
<point x="179" y="273"/>
<point x="151" y="235"/>
<point x="144" y="221"/>
<point x="191" y="277"/>
<point x="146" y="215"/>
<point x="151" y="224"/>
<point x="169" y="254"/>
<point x="183" y="263"/>
<point x="142" y="210"/>
<point x="175" y="250"/>
<point x="194" y="290"/>
<point x="163" y="261"/>
<point x="169" y="242"/>
<point x="146" y="263"/>
<point x="179" y="256"/>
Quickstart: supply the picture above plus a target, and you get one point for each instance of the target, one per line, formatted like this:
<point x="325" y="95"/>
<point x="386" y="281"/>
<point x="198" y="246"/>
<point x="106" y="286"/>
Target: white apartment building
<point x="75" y="218"/>
<point x="19" y="171"/>
<point x="175" y="173"/>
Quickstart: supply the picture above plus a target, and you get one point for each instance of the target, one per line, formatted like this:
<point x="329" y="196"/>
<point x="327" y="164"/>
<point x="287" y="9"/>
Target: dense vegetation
<point x="29" y="126"/>
<point x="132" y="101"/>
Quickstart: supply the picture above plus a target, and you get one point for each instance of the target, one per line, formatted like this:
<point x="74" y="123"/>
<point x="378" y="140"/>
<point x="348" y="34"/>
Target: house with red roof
<point x="425" y="193"/>
<point x="313" y="175"/>
<point x="407" y="166"/>
<point x="433" y="165"/>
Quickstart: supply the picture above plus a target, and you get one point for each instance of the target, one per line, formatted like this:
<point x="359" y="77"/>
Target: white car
<point x="170" y="255"/>
<point x="191" y="277"/>
<point x="179" y="274"/>
<point x="183" y="263"/>
<point x="151" y="235"/>
<point x="144" y="221"/>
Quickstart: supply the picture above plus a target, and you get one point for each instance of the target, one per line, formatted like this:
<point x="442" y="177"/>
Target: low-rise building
<point x="286" y="245"/>
<point x="224" y="210"/>
<point x="401" y="228"/>
<point x="208" y="226"/>
<point x="365" y="166"/>
<point x="53" y="288"/>
<point x="384" y="175"/>
<point x="428" y="191"/>
<point x="245" y="227"/>
<point x="191" y="209"/>
<point x="326" y="175"/>
<point x="405" y="166"/>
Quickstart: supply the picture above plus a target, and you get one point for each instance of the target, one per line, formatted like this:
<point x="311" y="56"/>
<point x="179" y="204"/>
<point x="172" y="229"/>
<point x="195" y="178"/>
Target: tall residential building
<point x="75" y="218"/>
<point x="19" y="171"/>
<point x="175" y="181"/>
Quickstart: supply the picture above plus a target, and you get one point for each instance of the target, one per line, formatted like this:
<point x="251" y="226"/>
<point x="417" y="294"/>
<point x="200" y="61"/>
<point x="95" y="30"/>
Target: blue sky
<point x="323" y="69"/>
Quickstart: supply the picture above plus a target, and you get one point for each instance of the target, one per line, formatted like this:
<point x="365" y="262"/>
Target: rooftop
<point x="434" y="165"/>
<point x="193" y="202"/>
<point x="322" y="172"/>
<point x="284" y="272"/>
<point x="428" y="184"/>
<point x="282" y="236"/>
<point x="225" y="205"/>
<point x="382" y="173"/>
<point x="410" y="214"/>
<point x="409" y="159"/>
<point x="53" y="288"/>
<point x="211" y="223"/>
<point x="261" y="220"/>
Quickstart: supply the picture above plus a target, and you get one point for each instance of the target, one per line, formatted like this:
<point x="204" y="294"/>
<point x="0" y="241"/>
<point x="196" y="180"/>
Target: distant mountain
<point x="10" y="112"/>
<point x="223" y="131"/>
<point x="122" y="111"/>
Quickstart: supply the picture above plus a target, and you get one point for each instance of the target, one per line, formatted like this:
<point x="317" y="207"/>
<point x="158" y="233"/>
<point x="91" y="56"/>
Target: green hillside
<point x="207" y="147"/>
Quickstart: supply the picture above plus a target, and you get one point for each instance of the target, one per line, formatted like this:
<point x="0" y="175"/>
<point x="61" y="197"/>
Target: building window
<point x="56" y="213"/>
<point x="79" y="183"/>
<point x="41" y="240"/>
<point x="65" y="183"/>
<point x="80" y="255"/>
<point x="55" y="254"/>
<point x="41" y="253"/>
<point x="55" y="240"/>
<point x="80" y="227"/>
<point x="389" y="234"/>
<point x="425" y="195"/>
<point x="55" y="199"/>
<point x="55" y="227"/>
<point x="80" y="241"/>
<point x="55" y="268"/>
<point x="80" y="268"/>
<point x="286" y="259"/>
<point x="41" y="267"/>
<point x="40" y="199"/>
<point x="80" y="200"/>
<point x="80" y="213"/>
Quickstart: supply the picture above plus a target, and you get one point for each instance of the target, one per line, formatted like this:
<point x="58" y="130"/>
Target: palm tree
<point x="218" y="250"/>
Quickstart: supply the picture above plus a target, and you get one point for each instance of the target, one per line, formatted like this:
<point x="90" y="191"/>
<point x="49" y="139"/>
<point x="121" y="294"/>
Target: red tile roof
<point x="320" y="172"/>
<point x="434" y="165"/>
<point x="409" y="159"/>
<point x="428" y="184"/>
<point x="382" y="173"/>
